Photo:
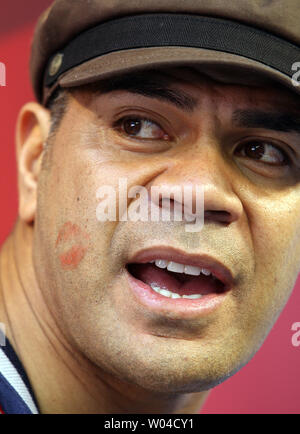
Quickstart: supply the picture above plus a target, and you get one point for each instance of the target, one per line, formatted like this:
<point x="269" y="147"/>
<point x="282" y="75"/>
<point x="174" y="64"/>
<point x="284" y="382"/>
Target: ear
<point x="32" y="131"/>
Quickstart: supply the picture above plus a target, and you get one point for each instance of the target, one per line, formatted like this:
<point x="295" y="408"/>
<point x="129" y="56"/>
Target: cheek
<point x="277" y="235"/>
<point x="275" y="231"/>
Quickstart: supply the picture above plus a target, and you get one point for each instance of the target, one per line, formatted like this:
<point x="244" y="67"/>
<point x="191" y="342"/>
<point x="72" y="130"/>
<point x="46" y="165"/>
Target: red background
<point x="270" y="383"/>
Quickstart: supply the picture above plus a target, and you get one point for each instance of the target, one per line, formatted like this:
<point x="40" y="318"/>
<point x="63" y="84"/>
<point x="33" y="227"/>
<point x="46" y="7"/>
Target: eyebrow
<point x="150" y="85"/>
<point x="277" y="121"/>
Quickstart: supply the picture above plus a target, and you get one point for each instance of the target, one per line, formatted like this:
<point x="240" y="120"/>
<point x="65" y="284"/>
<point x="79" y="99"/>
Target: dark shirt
<point x="16" y="394"/>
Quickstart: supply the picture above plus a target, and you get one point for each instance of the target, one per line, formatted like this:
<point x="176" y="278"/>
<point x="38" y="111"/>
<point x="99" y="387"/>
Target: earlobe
<point x="31" y="134"/>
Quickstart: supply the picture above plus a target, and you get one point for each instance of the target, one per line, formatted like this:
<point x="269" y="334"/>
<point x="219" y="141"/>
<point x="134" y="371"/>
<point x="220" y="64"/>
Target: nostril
<point x="218" y="216"/>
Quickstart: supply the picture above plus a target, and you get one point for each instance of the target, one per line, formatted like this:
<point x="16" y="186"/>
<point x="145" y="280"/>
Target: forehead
<point x="257" y="91"/>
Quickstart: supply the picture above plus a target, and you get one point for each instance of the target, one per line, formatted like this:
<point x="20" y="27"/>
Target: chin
<point x="158" y="377"/>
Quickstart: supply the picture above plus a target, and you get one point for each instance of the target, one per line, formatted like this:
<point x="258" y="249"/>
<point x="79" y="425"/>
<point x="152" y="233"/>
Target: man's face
<point x="242" y="144"/>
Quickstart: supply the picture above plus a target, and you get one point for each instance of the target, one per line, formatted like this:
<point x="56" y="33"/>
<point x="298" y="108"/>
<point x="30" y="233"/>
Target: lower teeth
<point x="170" y="294"/>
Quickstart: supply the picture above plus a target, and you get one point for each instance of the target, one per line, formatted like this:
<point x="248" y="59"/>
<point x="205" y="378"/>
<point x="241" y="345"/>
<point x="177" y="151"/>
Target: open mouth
<point x="178" y="281"/>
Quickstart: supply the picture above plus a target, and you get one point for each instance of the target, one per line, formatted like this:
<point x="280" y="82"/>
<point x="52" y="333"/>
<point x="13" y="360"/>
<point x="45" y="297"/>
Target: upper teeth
<point x="181" y="268"/>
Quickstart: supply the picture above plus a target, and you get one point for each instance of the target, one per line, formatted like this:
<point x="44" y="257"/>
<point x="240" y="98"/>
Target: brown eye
<point x="132" y="126"/>
<point x="262" y="151"/>
<point x="142" y="128"/>
<point x="255" y="150"/>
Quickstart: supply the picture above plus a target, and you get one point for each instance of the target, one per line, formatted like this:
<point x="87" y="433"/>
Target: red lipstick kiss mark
<point x="71" y="259"/>
<point x="71" y="232"/>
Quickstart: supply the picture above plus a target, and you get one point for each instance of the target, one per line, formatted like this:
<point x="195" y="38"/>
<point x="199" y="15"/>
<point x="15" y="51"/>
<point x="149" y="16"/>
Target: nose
<point x="207" y="173"/>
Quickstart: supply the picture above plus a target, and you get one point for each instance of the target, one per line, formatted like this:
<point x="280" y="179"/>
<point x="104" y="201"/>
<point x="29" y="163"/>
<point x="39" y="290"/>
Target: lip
<point x="179" y="308"/>
<point x="218" y="269"/>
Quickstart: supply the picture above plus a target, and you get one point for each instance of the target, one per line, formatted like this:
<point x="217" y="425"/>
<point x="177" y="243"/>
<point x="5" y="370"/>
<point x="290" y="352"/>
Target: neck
<point x="63" y="379"/>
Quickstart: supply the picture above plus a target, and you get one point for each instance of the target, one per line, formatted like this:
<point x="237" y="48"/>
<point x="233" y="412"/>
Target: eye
<point x="263" y="151"/>
<point x="141" y="128"/>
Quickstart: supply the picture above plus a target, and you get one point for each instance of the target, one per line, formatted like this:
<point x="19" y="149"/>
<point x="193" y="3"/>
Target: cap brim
<point x="221" y="66"/>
